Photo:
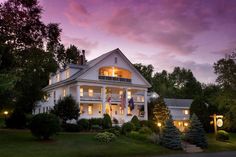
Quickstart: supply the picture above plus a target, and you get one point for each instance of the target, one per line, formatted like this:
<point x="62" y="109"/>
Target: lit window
<point x="185" y="124"/>
<point x="67" y="74"/>
<point x="129" y="110"/>
<point x="120" y="92"/>
<point x="64" y="92"/>
<point x="81" y="108"/>
<point x="105" y="73"/>
<point x="50" y="81"/>
<point x="129" y="94"/>
<point x="81" y="92"/>
<point x="90" y="92"/>
<point x="58" y="77"/>
<point x="142" y="99"/>
<point x="186" y="112"/>
<point x="90" y="109"/>
<point x="121" y="111"/>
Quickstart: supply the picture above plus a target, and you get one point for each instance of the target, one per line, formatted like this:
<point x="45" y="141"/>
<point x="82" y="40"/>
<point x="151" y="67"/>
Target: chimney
<point x="82" y="58"/>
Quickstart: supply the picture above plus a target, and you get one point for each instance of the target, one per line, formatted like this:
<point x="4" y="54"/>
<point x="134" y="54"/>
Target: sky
<point x="165" y="33"/>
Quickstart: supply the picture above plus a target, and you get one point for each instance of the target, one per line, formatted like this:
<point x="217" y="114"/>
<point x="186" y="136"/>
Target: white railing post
<point x="126" y="104"/>
<point x="78" y="94"/>
<point x="145" y="105"/>
<point x="103" y="99"/>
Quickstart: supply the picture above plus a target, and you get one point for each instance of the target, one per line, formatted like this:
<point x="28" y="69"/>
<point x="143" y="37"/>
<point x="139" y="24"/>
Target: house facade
<point x="108" y="84"/>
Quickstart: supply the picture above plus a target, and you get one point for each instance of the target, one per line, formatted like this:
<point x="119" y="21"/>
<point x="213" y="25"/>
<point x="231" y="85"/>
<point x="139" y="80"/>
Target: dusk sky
<point x="165" y="33"/>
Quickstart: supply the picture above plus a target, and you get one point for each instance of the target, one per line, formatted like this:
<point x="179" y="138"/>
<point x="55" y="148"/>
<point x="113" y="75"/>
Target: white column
<point x="78" y="94"/>
<point x="145" y="105"/>
<point x="103" y="94"/>
<point x="68" y="91"/>
<point x="126" y="104"/>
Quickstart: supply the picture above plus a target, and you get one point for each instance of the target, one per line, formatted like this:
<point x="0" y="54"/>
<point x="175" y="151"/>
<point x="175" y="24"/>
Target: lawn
<point x="215" y="146"/>
<point x="21" y="144"/>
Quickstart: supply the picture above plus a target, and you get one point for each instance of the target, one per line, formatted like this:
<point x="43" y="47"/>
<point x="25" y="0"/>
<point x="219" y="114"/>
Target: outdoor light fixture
<point x="217" y="121"/>
<point x="159" y="124"/>
<point x="6" y="112"/>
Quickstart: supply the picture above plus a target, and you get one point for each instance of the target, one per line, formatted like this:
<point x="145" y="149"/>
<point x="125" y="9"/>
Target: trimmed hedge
<point x="44" y="125"/>
<point x="106" y="124"/>
<point x="222" y="135"/>
<point x="71" y="127"/>
<point x="136" y="122"/>
<point x="83" y="124"/>
<point x="137" y="136"/>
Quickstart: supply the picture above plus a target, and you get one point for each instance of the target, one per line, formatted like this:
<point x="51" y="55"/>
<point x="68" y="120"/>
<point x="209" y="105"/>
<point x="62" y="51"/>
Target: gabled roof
<point x="183" y="103"/>
<point x="92" y="63"/>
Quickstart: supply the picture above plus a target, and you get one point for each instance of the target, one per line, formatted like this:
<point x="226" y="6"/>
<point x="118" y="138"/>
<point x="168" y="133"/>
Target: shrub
<point x="115" y="130"/>
<point x="105" y="137"/>
<point x="106" y="121"/>
<point x="154" y="138"/>
<point x="66" y="109"/>
<point x="17" y="120"/>
<point x="222" y="135"/>
<point x="145" y="130"/>
<point x="96" y="128"/>
<point x="95" y="121"/>
<point x="44" y="125"/>
<point x="150" y="124"/>
<point x="170" y="137"/>
<point x="137" y="136"/>
<point x="83" y="124"/>
<point x="196" y="134"/>
<point x="70" y="127"/>
<point x="127" y="127"/>
<point x="136" y="122"/>
<point x="115" y="121"/>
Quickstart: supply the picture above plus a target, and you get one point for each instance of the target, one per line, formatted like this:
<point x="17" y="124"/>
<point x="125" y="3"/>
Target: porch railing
<point x="91" y="96"/>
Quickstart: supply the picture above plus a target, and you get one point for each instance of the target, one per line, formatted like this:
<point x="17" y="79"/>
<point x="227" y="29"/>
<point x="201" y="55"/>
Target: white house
<point x="107" y="84"/>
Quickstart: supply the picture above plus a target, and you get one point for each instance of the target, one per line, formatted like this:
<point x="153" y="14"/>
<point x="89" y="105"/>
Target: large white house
<point x="107" y="84"/>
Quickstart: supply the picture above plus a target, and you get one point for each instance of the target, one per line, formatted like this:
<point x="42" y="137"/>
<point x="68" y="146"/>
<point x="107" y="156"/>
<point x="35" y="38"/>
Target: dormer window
<point x="58" y="77"/>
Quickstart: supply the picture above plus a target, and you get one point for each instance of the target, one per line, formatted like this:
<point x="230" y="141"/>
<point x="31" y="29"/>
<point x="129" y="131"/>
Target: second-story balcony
<point x="111" y="78"/>
<point x="86" y="96"/>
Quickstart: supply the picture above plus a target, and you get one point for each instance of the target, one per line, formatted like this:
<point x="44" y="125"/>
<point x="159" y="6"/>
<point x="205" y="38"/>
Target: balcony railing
<point x="117" y="98"/>
<point x="110" y="78"/>
<point x="89" y="96"/>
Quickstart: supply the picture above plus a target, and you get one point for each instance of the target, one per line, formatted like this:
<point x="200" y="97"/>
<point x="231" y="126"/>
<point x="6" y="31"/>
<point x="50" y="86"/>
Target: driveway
<point x="218" y="154"/>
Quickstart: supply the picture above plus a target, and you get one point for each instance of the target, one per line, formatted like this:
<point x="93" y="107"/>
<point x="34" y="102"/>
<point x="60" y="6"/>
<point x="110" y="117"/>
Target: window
<point x="64" y="92"/>
<point x="81" y="92"/>
<point x="58" y="77"/>
<point x="67" y="73"/>
<point x="186" y="112"/>
<point x="90" y="109"/>
<point x="121" y="110"/>
<point x="129" y="111"/>
<point x="90" y="92"/>
<point x="50" y="82"/>
<point x="129" y="94"/>
<point x="46" y="97"/>
<point x="142" y="99"/>
<point x="81" y="109"/>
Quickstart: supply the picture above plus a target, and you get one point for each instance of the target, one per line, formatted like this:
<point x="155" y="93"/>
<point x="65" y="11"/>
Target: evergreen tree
<point x="159" y="111"/>
<point x="170" y="137"/>
<point x="196" y="133"/>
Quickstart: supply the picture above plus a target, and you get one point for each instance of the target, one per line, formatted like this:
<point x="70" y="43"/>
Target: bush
<point x="222" y="135"/>
<point x="115" y="121"/>
<point x="137" y="136"/>
<point x="17" y="120"/>
<point x="44" y="125"/>
<point x="107" y="121"/>
<point x="145" y="130"/>
<point x="95" y="121"/>
<point x="136" y="122"/>
<point x="115" y="130"/>
<point x="96" y="128"/>
<point x="105" y="137"/>
<point x="127" y="127"/>
<point x="70" y="127"/>
<point x="150" y="124"/>
<point x="83" y="124"/>
<point x="154" y="138"/>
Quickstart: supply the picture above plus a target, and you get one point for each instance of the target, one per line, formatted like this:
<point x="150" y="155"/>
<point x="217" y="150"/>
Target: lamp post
<point x="217" y="121"/>
<point x="5" y="114"/>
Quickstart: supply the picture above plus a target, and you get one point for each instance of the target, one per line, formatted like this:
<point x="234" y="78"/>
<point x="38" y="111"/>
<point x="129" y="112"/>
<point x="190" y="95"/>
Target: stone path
<point x="190" y="148"/>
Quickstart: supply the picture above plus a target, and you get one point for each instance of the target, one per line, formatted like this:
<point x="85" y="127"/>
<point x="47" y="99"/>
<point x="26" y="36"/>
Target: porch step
<point x="190" y="148"/>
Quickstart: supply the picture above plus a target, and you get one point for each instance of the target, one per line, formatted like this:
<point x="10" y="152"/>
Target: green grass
<point x="2" y="122"/>
<point x="216" y="146"/>
<point x="21" y="144"/>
